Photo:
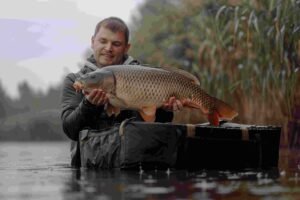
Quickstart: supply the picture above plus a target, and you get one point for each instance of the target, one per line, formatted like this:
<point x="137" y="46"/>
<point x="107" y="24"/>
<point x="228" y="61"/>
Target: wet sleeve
<point x="76" y="111"/>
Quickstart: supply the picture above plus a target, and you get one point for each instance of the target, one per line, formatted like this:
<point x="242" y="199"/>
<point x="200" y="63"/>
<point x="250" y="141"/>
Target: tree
<point x="3" y="102"/>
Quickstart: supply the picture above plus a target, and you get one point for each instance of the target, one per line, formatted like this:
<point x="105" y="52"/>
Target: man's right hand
<point x="97" y="97"/>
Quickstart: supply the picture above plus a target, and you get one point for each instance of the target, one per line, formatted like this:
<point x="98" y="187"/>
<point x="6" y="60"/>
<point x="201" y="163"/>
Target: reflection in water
<point x="41" y="171"/>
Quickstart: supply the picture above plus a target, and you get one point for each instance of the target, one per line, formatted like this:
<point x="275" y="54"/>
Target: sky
<point x="43" y="40"/>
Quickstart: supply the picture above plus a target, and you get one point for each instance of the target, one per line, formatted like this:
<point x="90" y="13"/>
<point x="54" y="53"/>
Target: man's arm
<point x="76" y="110"/>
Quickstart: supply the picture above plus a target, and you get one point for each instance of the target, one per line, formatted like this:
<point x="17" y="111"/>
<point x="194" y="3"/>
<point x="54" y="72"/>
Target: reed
<point x="245" y="52"/>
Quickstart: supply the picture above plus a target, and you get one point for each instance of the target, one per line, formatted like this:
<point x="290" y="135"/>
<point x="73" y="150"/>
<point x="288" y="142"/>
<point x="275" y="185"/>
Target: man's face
<point x="109" y="47"/>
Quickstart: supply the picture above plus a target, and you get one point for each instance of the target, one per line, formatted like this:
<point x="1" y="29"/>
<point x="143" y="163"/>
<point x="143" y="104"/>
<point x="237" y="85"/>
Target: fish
<point x="146" y="88"/>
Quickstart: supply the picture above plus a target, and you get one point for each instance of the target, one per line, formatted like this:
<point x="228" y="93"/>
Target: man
<point x="110" y="44"/>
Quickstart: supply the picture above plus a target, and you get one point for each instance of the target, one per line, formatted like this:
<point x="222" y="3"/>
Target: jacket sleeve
<point x="75" y="113"/>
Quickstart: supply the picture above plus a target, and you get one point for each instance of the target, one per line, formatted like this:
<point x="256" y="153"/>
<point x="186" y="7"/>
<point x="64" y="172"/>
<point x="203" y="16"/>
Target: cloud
<point x="64" y="9"/>
<point x="16" y="42"/>
<point x="11" y="75"/>
<point x="41" y="39"/>
<point x="34" y="10"/>
<point x="50" y="70"/>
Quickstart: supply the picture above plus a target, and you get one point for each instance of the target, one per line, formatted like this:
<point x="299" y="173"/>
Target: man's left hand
<point x="172" y="104"/>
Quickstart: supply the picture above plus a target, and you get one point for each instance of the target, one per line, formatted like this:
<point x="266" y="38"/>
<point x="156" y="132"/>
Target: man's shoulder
<point x="81" y="71"/>
<point x="72" y="75"/>
<point x="131" y="61"/>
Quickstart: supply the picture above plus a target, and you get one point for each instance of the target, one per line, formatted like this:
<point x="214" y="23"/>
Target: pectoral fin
<point x="148" y="113"/>
<point x="110" y="110"/>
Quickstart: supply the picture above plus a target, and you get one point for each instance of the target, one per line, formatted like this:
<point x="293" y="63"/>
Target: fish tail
<point x="223" y="111"/>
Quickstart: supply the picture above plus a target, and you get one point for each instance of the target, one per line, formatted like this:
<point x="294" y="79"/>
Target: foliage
<point x="32" y="126"/>
<point x="3" y="102"/>
<point x="32" y="116"/>
<point x="245" y="52"/>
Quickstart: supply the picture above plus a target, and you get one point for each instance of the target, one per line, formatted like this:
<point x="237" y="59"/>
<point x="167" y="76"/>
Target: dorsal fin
<point x="184" y="73"/>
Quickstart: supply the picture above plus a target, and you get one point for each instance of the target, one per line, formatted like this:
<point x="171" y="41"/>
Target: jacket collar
<point x="91" y="62"/>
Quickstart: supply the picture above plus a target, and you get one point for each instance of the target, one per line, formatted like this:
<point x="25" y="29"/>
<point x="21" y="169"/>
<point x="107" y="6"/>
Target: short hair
<point x="114" y="24"/>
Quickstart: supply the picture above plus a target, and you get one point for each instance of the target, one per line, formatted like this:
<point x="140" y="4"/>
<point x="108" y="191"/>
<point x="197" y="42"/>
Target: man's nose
<point x="108" y="46"/>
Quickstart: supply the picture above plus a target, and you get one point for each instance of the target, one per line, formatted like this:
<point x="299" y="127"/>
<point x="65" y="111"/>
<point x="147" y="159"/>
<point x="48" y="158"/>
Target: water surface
<point x="41" y="171"/>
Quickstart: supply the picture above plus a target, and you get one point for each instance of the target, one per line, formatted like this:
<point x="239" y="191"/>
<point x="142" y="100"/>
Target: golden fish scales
<point x="145" y="89"/>
<point x="156" y="87"/>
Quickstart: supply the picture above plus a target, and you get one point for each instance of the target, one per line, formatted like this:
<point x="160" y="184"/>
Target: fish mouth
<point x="83" y="87"/>
<point x="78" y="86"/>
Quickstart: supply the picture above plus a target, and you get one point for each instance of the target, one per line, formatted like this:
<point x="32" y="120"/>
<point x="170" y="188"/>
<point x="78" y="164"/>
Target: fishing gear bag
<point x="135" y="145"/>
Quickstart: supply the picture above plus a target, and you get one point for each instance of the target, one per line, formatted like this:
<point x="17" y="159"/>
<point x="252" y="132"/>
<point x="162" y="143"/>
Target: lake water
<point x="41" y="171"/>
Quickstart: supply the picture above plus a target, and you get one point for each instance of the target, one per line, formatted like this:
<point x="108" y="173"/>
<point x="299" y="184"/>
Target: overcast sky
<point x="42" y="40"/>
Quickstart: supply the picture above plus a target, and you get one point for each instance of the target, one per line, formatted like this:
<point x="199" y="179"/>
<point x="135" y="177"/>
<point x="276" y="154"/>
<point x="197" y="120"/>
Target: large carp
<point x="147" y="88"/>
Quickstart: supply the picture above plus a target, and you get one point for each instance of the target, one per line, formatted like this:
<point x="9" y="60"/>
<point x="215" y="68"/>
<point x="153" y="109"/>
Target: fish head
<point x="99" y="79"/>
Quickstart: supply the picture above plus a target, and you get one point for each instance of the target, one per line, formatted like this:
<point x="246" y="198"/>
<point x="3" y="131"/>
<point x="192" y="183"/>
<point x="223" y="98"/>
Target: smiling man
<point x="86" y="111"/>
<point x="110" y="43"/>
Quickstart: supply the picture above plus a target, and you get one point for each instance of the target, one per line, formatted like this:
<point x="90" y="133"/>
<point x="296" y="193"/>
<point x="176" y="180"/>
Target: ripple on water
<point x="36" y="171"/>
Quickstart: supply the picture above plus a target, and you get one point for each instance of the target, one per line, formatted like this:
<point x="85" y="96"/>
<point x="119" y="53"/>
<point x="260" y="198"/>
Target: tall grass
<point x="245" y="52"/>
<point x="257" y="52"/>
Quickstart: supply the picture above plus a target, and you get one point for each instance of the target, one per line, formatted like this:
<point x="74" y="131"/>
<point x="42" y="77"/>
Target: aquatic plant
<point x="245" y="52"/>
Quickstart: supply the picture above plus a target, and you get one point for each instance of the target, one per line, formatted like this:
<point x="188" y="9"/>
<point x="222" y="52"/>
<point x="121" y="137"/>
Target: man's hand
<point x="173" y="104"/>
<point x="96" y="97"/>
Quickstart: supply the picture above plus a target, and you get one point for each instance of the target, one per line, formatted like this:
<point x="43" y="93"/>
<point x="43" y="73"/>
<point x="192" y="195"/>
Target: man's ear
<point x="92" y="41"/>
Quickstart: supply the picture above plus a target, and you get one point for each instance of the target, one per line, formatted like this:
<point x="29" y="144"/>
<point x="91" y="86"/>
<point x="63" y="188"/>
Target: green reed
<point x="245" y="53"/>
<point x="253" y="50"/>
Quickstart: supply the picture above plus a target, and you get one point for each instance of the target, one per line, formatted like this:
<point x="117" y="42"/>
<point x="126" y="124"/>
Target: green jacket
<point x="78" y="114"/>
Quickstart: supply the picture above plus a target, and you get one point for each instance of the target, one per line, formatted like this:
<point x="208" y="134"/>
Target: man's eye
<point x="117" y="44"/>
<point x="93" y="76"/>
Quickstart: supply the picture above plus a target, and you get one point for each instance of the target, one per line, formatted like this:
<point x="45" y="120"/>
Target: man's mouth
<point x="109" y="56"/>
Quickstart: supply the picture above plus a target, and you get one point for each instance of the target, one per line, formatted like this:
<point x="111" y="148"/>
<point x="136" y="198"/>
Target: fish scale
<point x="158" y="86"/>
<point x="147" y="88"/>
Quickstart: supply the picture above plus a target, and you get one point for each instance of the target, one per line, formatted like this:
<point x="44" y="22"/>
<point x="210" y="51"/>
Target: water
<point x="41" y="171"/>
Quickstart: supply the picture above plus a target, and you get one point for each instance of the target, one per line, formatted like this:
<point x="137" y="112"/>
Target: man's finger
<point x="179" y="104"/>
<point x="96" y="96"/>
<point x="90" y="97"/>
<point x="175" y="107"/>
<point x="172" y="100"/>
<point x="101" y="99"/>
